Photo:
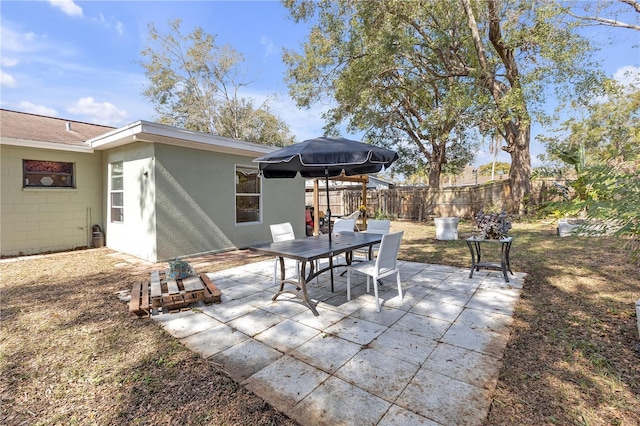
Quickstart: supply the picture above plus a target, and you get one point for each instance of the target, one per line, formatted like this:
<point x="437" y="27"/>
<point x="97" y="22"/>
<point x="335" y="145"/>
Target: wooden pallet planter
<point x="140" y="303"/>
<point x="171" y="295"/>
<point x="212" y="293"/>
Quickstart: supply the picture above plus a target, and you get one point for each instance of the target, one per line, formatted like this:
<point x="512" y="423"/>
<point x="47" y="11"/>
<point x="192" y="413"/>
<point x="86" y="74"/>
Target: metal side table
<point x="475" y="244"/>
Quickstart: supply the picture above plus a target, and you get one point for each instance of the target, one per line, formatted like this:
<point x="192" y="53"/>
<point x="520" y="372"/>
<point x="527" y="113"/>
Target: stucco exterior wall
<point x="195" y="203"/>
<point x="36" y="220"/>
<point x="136" y="235"/>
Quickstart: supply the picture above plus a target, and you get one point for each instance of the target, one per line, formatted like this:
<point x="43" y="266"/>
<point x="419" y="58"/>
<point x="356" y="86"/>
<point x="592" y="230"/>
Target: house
<point x="156" y="191"/>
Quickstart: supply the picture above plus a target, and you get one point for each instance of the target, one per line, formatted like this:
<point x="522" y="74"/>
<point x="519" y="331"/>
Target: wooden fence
<point x="415" y="203"/>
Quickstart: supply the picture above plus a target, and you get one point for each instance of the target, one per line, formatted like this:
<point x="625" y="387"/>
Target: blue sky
<point x="77" y="60"/>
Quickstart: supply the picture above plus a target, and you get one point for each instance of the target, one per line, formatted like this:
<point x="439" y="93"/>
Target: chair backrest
<point x="388" y="254"/>
<point x="375" y="226"/>
<point x="355" y="215"/>
<point x="282" y="232"/>
<point x="344" y="225"/>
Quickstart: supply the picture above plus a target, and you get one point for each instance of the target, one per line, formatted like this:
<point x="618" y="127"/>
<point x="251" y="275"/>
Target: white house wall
<point x="136" y="235"/>
<point x="195" y="203"/>
<point x="36" y="220"/>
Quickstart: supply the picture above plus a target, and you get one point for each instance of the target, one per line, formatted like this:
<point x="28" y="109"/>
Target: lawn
<point x="70" y="354"/>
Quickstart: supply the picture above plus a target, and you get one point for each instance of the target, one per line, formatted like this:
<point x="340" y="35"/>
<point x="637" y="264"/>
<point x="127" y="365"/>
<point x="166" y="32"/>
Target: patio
<point x="431" y="358"/>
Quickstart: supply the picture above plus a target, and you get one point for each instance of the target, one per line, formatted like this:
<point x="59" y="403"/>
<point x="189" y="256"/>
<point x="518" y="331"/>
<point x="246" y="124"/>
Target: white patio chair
<point x="385" y="264"/>
<point x="374" y="226"/>
<point x="343" y="225"/>
<point x="355" y="215"/>
<point x="282" y="232"/>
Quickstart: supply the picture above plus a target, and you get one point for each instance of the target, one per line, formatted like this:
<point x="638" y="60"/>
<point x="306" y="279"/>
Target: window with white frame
<point x="117" y="192"/>
<point x="248" y="194"/>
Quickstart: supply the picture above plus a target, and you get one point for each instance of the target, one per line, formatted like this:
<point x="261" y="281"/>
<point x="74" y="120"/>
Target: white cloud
<point x="109" y="23"/>
<point x="16" y="41"/>
<point x="9" y="62"/>
<point x="7" y="80"/>
<point x="269" y="47"/>
<point x="67" y="6"/>
<point x="98" y="112"/>
<point x="628" y="75"/>
<point x="37" y="109"/>
<point x="120" y="27"/>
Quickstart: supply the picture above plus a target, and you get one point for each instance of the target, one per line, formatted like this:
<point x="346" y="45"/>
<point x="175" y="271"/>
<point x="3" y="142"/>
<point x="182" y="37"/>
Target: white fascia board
<point x="145" y="131"/>
<point x="26" y="143"/>
<point x="116" y="137"/>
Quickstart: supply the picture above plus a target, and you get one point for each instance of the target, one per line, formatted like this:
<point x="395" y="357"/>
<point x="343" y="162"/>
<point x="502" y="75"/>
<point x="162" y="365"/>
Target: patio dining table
<point x="308" y="250"/>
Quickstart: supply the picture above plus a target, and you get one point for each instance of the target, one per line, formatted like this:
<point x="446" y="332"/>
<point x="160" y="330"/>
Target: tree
<point x="600" y="13"/>
<point x="604" y="148"/>
<point x="484" y="65"/>
<point x="383" y="67"/>
<point x="608" y="129"/>
<point x="194" y="84"/>
<point x="491" y="169"/>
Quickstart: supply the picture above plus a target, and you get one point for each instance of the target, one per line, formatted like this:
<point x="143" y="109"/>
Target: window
<point x="248" y="194"/>
<point x="47" y="174"/>
<point x="117" y="192"/>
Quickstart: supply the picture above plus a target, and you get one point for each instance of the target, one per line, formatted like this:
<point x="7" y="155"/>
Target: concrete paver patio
<point x="431" y="358"/>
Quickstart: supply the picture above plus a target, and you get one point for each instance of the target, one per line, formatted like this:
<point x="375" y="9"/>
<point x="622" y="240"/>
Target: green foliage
<point x="414" y="74"/>
<point x="604" y="149"/>
<point x="381" y="63"/>
<point x="500" y="166"/>
<point x="194" y="84"/>
<point x="607" y="194"/>
<point x="608" y="128"/>
<point x="380" y="215"/>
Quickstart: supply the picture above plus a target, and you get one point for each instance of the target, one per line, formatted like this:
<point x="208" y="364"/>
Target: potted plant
<point x="492" y="226"/>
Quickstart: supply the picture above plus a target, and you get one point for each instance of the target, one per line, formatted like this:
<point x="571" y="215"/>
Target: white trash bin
<point x="446" y="228"/>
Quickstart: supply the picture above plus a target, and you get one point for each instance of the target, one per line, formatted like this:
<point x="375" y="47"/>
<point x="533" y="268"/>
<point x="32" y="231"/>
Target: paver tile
<point x="336" y="402"/>
<point x="465" y="365"/>
<point x="400" y="343"/>
<point x="186" y="324"/>
<point x="213" y="340"/>
<point x="285" y="382"/>
<point x="398" y="416"/>
<point x="356" y="330"/>
<point x="483" y="341"/>
<point x="326" y="352"/>
<point x="445" y="400"/>
<point x="255" y="321"/>
<point x="378" y="374"/>
<point x="246" y="358"/>
<point x="287" y="335"/>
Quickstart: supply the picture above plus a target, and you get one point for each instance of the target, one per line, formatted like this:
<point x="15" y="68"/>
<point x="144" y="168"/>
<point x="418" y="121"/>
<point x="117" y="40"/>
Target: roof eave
<point x="46" y="145"/>
<point x="145" y="131"/>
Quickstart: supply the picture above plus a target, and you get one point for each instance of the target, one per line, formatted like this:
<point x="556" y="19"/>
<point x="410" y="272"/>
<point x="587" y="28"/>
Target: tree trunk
<point x="520" y="171"/>
<point x="434" y="174"/>
<point x="517" y="128"/>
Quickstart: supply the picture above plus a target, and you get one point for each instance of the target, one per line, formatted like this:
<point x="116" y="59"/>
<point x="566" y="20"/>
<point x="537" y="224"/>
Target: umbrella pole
<point x="326" y="179"/>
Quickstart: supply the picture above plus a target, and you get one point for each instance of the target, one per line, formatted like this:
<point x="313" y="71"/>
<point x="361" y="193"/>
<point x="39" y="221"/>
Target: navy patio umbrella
<point x="326" y="157"/>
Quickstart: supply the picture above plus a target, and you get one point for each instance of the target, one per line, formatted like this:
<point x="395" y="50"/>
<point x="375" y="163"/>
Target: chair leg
<point x="375" y="292"/>
<point x="348" y="283"/>
<point x="399" y="286"/>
